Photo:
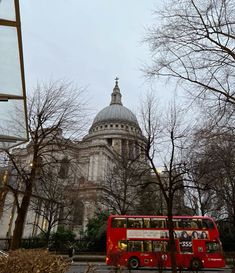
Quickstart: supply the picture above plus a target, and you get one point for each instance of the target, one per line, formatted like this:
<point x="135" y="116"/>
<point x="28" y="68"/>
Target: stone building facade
<point x="82" y="168"/>
<point x="115" y="130"/>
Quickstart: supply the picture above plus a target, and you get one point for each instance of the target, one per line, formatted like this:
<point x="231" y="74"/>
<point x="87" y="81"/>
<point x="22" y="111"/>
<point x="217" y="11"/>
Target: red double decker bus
<point x="143" y="241"/>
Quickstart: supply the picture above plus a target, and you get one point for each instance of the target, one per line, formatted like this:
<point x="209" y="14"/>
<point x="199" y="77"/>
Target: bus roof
<point x="160" y="216"/>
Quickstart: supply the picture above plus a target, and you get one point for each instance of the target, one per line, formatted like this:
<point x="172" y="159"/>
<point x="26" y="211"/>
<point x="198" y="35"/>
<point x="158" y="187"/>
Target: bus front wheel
<point x="133" y="263"/>
<point x="195" y="264"/>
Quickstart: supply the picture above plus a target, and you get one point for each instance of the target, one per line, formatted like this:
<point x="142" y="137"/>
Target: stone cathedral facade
<point x="115" y="130"/>
<point x="83" y="170"/>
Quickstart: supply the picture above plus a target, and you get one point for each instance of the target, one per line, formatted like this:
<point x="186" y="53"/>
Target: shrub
<point x="62" y="239"/>
<point x="96" y="231"/>
<point x="33" y="261"/>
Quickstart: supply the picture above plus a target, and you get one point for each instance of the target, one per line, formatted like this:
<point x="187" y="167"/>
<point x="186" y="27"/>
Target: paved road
<point x="102" y="268"/>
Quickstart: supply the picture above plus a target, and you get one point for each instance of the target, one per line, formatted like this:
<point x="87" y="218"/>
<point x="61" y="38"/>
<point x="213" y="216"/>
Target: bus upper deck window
<point x="175" y="223"/>
<point x="158" y="223"/>
<point x="118" y="223"/>
<point x="184" y="223"/>
<point x="135" y="223"/>
<point x="194" y="224"/>
<point x="146" y="222"/>
<point x="188" y="224"/>
<point x="207" y="224"/>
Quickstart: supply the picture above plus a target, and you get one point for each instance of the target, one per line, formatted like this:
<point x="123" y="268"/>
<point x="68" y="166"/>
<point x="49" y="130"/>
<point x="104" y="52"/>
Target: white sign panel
<point x="146" y="234"/>
<point x="163" y="234"/>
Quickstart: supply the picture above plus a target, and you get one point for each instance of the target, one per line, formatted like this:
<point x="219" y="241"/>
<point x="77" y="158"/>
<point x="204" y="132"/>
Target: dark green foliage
<point x="96" y="231"/>
<point x="228" y="244"/>
<point x="227" y="234"/>
<point x="62" y="239"/>
<point x="63" y="234"/>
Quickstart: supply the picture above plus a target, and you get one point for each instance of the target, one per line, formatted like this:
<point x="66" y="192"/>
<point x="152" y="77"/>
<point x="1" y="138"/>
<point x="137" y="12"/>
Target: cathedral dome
<point x="115" y="112"/>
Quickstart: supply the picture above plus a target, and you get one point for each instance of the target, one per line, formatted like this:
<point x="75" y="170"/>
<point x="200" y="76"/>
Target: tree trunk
<point x="48" y="235"/>
<point x="20" y="220"/>
<point x="171" y="238"/>
<point x="3" y="194"/>
<point x="233" y="219"/>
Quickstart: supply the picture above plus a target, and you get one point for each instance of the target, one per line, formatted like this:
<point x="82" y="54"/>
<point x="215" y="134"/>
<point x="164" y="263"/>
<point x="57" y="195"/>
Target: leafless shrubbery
<point x="34" y="261"/>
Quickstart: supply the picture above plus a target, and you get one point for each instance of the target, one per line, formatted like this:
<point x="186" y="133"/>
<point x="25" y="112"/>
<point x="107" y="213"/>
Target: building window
<point x="131" y="150"/>
<point x="64" y="168"/>
<point x="110" y="141"/>
<point x="124" y="147"/>
<point x="78" y="213"/>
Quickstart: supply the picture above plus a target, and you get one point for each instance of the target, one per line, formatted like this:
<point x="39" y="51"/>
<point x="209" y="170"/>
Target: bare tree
<point x="194" y="43"/>
<point x="52" y="108"/>
<point x="150" y="201"/>
<point x="166" y="142"/>
<point x="122" y="183"/>
<point x="200" y="192"/>
<point x="51" y="201"/>
<point x="216" y="157"/>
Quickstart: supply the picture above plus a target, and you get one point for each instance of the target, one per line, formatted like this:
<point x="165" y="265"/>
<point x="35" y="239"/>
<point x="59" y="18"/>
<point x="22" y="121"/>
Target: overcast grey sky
<point x="89" y="43"/>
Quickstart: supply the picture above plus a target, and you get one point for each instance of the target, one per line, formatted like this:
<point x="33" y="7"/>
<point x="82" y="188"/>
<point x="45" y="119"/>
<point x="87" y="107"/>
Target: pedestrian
<point x="71" y="253"/>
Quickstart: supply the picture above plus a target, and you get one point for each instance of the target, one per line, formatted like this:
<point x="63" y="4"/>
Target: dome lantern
<point x="116" y="96"/>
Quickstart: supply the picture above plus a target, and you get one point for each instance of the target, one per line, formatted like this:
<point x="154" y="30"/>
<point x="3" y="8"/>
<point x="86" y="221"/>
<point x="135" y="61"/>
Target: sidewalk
<point x="89" y="258"/>
<point x="86" y="259"/>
